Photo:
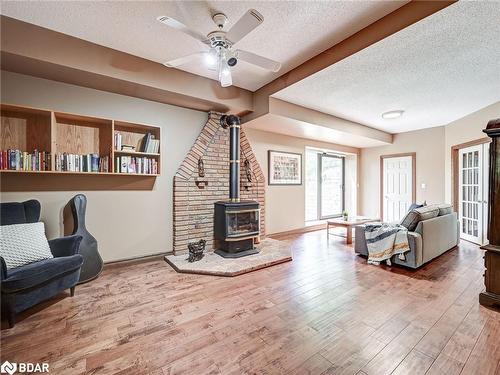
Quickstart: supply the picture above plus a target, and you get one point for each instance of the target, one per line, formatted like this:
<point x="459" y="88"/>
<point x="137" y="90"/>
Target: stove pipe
<point x="233" y="123"/>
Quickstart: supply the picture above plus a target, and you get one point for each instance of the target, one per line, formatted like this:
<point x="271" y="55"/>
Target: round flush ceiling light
<point x="392" y="114"/>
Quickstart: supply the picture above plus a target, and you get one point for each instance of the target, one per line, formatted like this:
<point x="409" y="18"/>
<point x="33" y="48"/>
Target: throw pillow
<point x="412" y="218"/>
<point x="416" y="205"/>
<point x="444" y="209"/>
<point x="22" y="244"/>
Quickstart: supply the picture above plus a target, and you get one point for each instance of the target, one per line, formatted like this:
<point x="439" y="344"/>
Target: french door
<point x="397" y="187"/>
<point x="473" y="192"/>
<point x="330" y="186"/>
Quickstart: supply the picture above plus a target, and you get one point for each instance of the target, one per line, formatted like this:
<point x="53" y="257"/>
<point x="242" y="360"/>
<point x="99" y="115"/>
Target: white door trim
<point x="473" y="195"/>
<point x="413" y="156"/>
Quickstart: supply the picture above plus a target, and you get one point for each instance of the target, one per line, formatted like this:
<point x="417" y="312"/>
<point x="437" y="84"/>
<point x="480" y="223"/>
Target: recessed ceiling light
<point x="393" y="114"/>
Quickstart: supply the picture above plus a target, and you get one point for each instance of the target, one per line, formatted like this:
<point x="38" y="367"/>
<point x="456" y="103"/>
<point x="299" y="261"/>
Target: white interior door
<point x="473" y="191"/>
<point x="397" y="187"/>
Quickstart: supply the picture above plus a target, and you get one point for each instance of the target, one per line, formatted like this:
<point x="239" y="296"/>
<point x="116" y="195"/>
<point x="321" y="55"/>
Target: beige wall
<point x="126" y="223"/>
<point x="131" y="224"/>
<point x="433" y="148"/>
<point x="149" y="229"/>
<point x="466" y="129"/>
<point x="285" y="205"/>
<point x="429" y="147"/>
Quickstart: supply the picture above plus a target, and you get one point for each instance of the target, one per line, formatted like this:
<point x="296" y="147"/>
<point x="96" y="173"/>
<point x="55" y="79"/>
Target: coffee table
<point x="348" y="224"/>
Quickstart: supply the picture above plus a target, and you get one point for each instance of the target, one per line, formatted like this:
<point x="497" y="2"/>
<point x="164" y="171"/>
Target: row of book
<point x="41" y="161"/>
<point x="18" y="160"/>
<point x="133" y="164"/>
<point x="82" y="163"/>
<point x="148" y="144"/>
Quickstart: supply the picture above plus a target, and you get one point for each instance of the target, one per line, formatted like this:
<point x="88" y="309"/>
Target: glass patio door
<point x="331" y="185"/>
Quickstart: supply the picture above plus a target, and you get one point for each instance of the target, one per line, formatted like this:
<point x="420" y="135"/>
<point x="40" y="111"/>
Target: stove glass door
<point x="242" y="222"/>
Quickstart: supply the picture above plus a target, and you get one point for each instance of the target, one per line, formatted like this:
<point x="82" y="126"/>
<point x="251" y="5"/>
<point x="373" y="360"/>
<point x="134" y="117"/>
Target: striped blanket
<point x="384" y="241"/>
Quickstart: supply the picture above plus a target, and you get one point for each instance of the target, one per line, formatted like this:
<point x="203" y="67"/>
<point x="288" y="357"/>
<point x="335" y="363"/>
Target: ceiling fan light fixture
<point x="225" y="77"/>
<point x="392" y="114"/>
<point x="211" y="58"/>
<point x="226" y="81"/>
<point x="221" y="56"/>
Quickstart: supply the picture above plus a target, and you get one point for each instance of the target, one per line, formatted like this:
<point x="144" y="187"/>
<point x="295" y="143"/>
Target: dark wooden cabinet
<point x="491" y="296"/>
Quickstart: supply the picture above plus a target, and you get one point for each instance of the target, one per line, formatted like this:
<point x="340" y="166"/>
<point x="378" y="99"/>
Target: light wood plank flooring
<point x="327" y="312"/>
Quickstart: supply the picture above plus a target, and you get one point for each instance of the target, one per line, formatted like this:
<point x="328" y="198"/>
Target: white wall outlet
<point x="423" y="185"/>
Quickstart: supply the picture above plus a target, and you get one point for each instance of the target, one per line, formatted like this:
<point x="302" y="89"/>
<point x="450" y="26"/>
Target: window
<point x="325" y="196"/>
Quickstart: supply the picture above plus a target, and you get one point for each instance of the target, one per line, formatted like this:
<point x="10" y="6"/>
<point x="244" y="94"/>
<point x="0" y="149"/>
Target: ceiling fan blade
<point x="258" y="60"/>
<point x="183" y="60"/>
<point x="249" y="21"/>
<point x="173" y="23"/>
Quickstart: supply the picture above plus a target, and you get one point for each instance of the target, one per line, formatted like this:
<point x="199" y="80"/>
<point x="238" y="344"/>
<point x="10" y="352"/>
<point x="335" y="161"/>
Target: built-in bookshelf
<point x="38" y="141"/>
<point x="136" y="148"/>
<point x="25" y="139"/>
<point x="82" y="144"/>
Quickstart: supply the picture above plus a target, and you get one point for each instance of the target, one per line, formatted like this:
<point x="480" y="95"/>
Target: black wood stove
<point x="236" y="223"/>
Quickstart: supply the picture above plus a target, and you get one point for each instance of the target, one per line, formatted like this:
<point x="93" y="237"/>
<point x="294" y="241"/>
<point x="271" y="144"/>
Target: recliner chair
<point x="25" y="286"/>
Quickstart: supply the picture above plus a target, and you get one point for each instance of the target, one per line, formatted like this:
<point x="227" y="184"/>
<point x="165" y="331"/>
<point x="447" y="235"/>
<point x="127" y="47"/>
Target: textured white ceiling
<point x="437" y="70"/>
<point x="292" y="32"/>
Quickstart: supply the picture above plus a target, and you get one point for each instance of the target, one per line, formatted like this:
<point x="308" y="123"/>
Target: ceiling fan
<point x="221" y="56"/>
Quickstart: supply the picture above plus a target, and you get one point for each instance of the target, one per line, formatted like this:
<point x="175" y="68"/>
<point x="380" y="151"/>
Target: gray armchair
<point x="28" y="285"/>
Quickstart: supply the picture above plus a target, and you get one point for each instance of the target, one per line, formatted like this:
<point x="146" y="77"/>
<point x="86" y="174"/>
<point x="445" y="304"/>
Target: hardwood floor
<point x="326" y="312"/>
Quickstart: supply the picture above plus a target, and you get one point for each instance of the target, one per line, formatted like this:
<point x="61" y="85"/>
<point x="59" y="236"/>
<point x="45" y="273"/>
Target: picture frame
<point x="284" y="168"/>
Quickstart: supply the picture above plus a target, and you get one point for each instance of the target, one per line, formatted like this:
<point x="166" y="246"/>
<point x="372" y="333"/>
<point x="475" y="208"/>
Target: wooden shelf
<point x="135" y="153"/>
<point x="82" y="173"/>
<point x="132" y="134"/>
<point x="136" y="174"/>
<point x="27" y="129"/>
<point x="21" y="171"/>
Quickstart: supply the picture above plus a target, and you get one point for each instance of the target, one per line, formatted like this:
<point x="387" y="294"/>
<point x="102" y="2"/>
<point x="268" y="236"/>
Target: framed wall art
<point x="284" y="168"/>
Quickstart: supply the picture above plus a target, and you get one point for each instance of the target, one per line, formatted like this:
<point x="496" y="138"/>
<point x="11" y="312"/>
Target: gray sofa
<point x="431" y="238"/>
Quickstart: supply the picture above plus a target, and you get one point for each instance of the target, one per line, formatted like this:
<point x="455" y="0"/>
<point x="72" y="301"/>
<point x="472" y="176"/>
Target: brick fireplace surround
<point x="194" y="202"/>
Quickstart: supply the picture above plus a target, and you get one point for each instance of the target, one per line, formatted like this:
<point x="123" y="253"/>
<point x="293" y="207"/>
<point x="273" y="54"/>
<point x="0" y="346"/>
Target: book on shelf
<point x="155" y="146"/>
<point x="18" y="160"/>
<point x="149" y="144"/>
<point x="136" y="165"/>
<point x="82" y="163"/>
<point x="118" y="141"/>
<point x="119" y="146"/>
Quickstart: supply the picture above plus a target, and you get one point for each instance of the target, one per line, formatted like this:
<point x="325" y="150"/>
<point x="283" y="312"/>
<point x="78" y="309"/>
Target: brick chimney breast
<point x="194" y="201"/>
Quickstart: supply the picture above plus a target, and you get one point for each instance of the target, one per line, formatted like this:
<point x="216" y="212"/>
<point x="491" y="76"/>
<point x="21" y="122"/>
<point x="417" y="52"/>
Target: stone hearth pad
<point x="271" y="252"/>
